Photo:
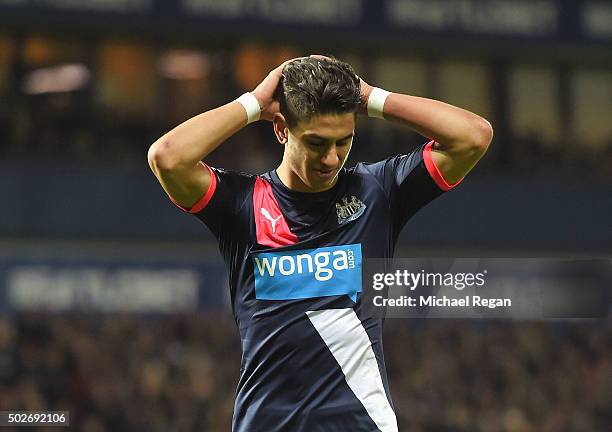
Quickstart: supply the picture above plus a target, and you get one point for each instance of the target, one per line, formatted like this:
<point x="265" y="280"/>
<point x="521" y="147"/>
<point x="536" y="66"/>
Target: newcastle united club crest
<point x="349" y="208"/>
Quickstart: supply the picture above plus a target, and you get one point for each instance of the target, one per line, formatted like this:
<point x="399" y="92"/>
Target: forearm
<point x="453" y="128"/>
<point x="461" y="136"/>
<point x="191" y="141"/>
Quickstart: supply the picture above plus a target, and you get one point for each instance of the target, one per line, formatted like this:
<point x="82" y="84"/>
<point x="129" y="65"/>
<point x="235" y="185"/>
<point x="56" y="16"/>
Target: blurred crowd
<point x="521" y="377"/>
<point x="129" y="100"/>
<point x="179" y="373"/>
<point x="61" y="128"/>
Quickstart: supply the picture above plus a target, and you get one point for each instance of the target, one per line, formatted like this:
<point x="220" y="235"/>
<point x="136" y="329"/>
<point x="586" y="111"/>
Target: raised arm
<point x="176" y="157"/>
<point x="461" y="136"/>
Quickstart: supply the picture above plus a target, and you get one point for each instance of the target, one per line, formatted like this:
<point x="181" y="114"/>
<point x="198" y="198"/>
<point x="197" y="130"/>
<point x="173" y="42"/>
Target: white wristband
<point x="376" y="102"/>
<point x="251" y="106"/>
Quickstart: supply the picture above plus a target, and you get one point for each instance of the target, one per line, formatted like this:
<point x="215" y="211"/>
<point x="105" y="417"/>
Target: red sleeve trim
<point x="202" y="202"/>
<point x="433" y="170"/>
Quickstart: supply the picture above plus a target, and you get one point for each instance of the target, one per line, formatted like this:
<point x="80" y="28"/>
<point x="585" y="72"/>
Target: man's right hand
<point x="266" y="90"/>
<point x="175" y="157"/>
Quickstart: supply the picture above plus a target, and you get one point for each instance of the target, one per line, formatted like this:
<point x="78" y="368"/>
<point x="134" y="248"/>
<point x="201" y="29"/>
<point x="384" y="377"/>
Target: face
<point x="316" y="150"/>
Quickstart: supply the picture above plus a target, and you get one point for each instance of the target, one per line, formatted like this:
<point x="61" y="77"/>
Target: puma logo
<point x="266" y="214"/>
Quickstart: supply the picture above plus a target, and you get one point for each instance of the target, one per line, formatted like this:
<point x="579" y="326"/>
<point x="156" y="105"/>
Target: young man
<point x="294" y="238"/>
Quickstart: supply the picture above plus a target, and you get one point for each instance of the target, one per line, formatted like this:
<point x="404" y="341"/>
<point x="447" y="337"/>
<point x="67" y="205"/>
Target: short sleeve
<point x="410" y="181"/>
<point x="206" y="195"/>
<point x="224" y="205"/>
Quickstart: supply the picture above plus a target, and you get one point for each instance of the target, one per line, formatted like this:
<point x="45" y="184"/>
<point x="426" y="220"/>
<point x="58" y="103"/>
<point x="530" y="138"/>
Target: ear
<point x="281" y="128"/>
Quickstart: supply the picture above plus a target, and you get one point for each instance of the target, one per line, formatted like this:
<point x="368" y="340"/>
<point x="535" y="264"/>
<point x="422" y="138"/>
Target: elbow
<point x="482" y="136"/>
<point x="476" y="138"/>
<point x="160" y="156"/>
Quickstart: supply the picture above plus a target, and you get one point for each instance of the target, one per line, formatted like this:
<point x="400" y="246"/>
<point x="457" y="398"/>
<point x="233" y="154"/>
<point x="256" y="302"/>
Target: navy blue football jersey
<point x="312" y="353"/>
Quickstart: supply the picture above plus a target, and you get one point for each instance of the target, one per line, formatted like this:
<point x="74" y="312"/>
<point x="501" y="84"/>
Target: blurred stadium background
<point x="114" y="305"/>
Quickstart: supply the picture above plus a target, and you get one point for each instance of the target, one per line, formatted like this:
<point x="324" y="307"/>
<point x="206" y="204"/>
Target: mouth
<point x="327" y="174"/>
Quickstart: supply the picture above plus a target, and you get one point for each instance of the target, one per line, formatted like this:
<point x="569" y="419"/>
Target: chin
<point x="315" y="184"/>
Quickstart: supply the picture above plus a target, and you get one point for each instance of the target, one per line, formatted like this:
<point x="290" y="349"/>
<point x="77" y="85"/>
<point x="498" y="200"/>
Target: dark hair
<point x="313" y="86"/>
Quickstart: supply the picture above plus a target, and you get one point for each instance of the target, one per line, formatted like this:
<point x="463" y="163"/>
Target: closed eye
<point x="316" y="143"/>
<point x="324" y="143"/>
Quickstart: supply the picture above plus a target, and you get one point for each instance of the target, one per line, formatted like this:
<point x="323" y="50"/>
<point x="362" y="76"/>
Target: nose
<point x="330" y="157"/>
